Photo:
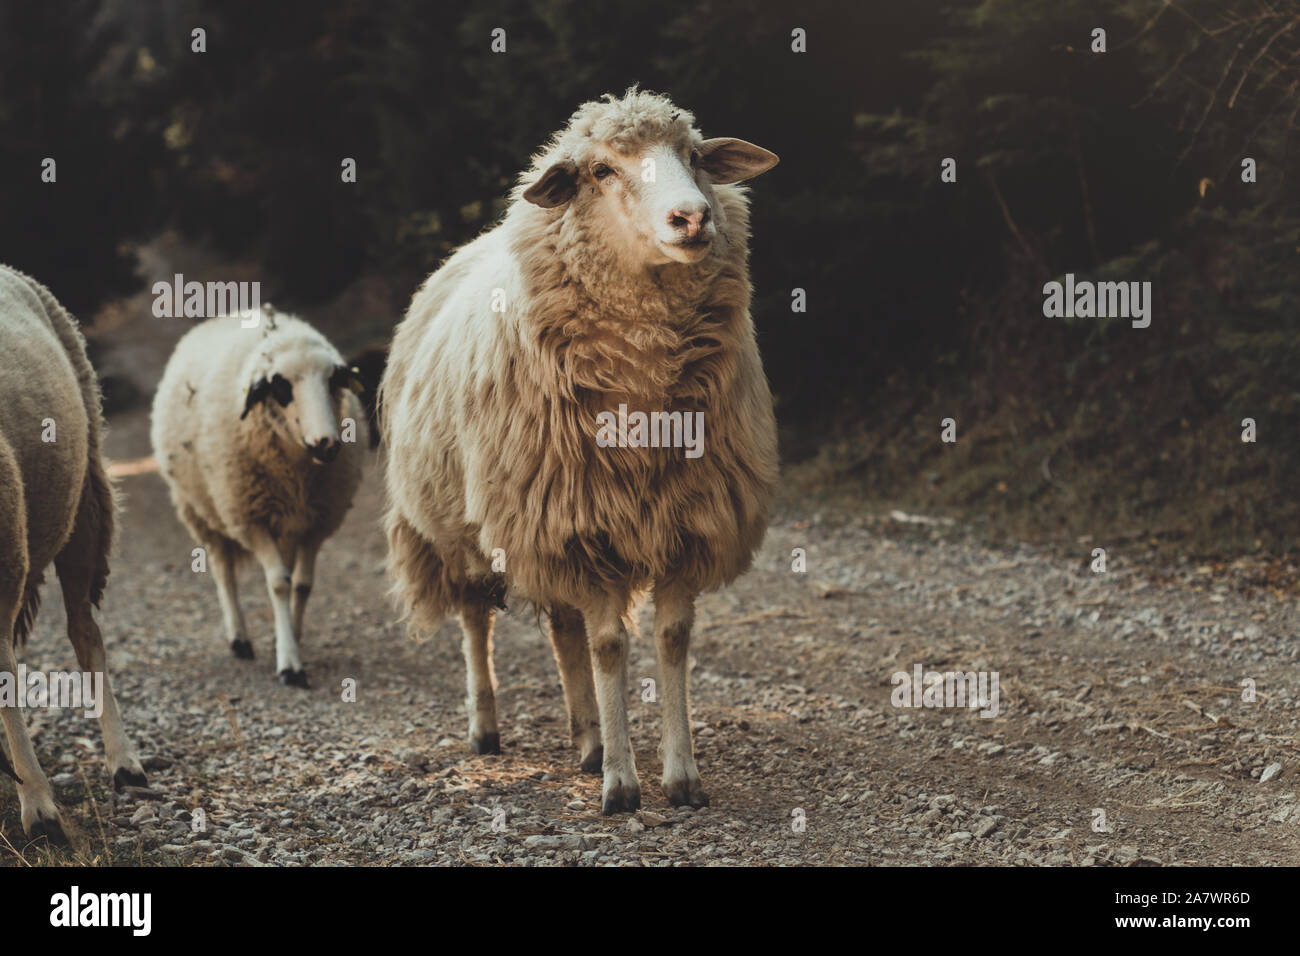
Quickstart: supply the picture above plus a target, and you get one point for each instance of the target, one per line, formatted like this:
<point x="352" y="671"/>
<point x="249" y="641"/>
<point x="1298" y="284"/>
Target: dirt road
<point x="1120" y="693"/>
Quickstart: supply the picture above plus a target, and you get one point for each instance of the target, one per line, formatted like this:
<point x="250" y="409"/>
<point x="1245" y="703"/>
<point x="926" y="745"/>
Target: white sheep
<point x="259" y="435"/>
<point x="618" y="280"/>
<point x="56" y="504"/>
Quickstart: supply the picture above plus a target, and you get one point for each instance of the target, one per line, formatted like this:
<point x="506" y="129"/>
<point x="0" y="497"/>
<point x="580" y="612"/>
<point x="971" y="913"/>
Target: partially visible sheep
<point x="618" y="277"/>
<point x="56" y="504"/>
<point x="259" y="435"/>
<point x="369" y="365"/>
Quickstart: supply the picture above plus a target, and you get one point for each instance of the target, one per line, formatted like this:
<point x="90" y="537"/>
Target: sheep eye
<point x="601" y="171"/>
<point x="281" y="389"/>
<point x="695" y="158"/>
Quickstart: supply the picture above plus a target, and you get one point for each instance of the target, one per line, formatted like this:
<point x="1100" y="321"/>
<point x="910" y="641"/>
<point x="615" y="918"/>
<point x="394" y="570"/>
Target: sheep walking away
<point x="56" y="505"/>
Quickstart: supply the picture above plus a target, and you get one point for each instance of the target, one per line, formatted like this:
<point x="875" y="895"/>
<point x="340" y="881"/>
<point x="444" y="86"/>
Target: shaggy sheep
<point x="617" y="280"/>
<point x="260" y="437"/>
<point x="56" y="504"/>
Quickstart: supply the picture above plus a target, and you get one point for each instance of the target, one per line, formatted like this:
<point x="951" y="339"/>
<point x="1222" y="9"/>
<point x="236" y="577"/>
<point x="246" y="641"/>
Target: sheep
<point x="259" y="435"/>
<point x="369" y="365"/>
<point x="56" y="504"/>
<point x="618" y="276"/>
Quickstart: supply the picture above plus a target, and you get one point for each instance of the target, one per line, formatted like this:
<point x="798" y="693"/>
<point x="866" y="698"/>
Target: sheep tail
<point x="422" y="581"/>
<point x="27" y="610"/>
<point x="7" y="768"/>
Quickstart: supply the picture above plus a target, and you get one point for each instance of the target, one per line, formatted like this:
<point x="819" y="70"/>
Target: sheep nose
<point x="325" y="450"/>
<point x="689" y="219"/>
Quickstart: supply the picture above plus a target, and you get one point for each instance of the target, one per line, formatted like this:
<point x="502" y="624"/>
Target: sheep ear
<point x="349" y="378"/>
<point x="554" y="187"/>
<point x="257" y="392"/>
<point x="726" y="160"/>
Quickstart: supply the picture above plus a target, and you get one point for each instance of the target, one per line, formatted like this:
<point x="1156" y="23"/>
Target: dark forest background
<point x="924" y="299"/>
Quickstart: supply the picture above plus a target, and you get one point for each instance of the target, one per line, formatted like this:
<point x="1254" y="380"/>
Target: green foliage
<point x="67" y="233"/>
<point x="1122" y="166"/>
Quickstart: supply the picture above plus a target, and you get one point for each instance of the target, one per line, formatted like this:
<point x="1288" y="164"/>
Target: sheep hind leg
<point x="223" y="571"/>
<point x="608" y="639"/>
<point x="569" y="640"/>
<point x="476" y="620"/>
<point x="674" y="614"/>
<point x="304" y="574"/>
<point x="40" y="815"/>
<point x="288" y="665"/>
<point x="83" y="632"/>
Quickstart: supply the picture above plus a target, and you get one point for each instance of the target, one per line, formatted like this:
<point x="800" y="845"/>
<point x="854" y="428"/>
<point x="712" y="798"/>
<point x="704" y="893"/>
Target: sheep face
<point x="301" y="392"/>
<point x="656" y="200"/>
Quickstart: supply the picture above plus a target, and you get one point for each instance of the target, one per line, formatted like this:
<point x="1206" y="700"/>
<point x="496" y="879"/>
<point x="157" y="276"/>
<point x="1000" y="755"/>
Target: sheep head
<point x="638" y="167"/>
<point x="307" y="382"/>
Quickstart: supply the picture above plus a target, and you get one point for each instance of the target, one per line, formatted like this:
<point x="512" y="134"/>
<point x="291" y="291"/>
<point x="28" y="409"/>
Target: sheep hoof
<point x="125" y="777"/>
<point x="242" y="648"/>
<point x="621" y="798"/>
<point x="686" y="792"/>
<point x="486" y="743"/>
<point x="50" y="830"/>
<point x="594" y="761"/>
<point x="296" y="678"/>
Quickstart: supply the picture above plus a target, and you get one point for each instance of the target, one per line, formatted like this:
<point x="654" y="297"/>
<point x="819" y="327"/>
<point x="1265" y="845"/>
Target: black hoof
<point x="242" y="648"/>
<point x="128" y="778"/>
<point x="51" y="831"/>
<point x="296" y="678"/>
<point x="486" y="744"/>
<point x="686" y="793"/>
<point x="593" y="762"/>
<point x="621" y="800"/>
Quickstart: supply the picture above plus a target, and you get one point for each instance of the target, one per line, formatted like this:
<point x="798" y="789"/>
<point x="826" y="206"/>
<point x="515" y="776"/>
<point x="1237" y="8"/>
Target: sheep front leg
<point x="674" y="614"/>
<point x="569" y="640"/>
<point x="304" y="573"/>
<point x="279" y="585"/>
<point x="476" y="621"/>
<point x="223" y="571"/>
<point x="607" y="635"/>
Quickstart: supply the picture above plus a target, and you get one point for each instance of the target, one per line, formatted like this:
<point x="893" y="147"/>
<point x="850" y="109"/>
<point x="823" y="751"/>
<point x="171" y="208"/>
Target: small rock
<point x="568" y="841"/>
<point x="143" y="793"/>
<point x="1271" y="771"/>
<point x="182" y="853"/>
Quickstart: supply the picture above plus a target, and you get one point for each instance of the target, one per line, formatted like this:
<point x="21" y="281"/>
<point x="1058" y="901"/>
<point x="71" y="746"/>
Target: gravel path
<point x="1119" y="692"/>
